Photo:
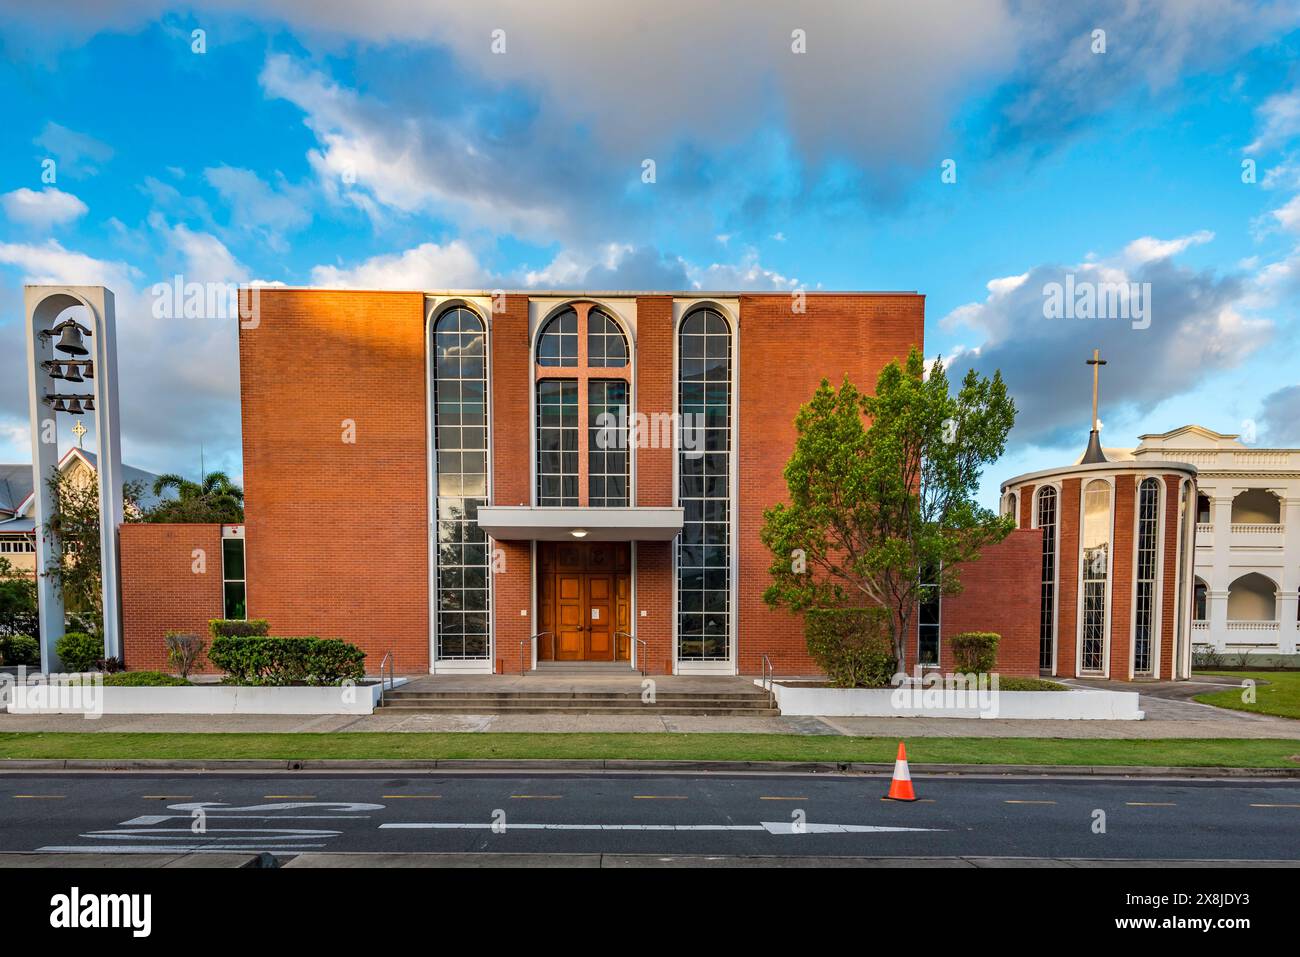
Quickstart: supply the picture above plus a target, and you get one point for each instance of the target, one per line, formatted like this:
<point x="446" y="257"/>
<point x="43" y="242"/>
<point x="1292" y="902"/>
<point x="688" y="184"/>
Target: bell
<point x="58" y="405"/>
<point x="74" y="406"/>
<point x="88" y="369"/>
<point x="56" y="370"/>
<point x="88" y="403"/>
<point x="72" y="373"/>
<point x="70" y="341"/>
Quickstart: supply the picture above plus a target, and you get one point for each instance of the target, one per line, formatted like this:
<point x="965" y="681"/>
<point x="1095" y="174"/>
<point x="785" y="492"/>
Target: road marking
<point x="1029" y="802"/>
<point x="288" y="797"/>
<point x="1275" y="805"/>
<point x="166" y="797"/>
<point x="537" y="797"/>
<point x="410" y="797"/>
<point x="1150" y="804"/>
<point x="771" y="827"/>
<point x="163" y="849"/>
<point x="773" y="798"/>
<point x="39" y="797"/>
<point x="660" y="797"/>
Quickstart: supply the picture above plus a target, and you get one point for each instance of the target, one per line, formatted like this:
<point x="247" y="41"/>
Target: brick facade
<point x="333" y="387"/>
<point x="161" y="589"/>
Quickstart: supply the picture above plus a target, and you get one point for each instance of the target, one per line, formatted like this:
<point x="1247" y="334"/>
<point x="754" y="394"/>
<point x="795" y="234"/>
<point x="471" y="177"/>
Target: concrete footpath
<point x="1166" y="718"/>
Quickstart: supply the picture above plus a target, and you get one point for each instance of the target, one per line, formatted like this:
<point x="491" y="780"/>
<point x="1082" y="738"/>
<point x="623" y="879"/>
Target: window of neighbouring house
<point x="234" y="582"/>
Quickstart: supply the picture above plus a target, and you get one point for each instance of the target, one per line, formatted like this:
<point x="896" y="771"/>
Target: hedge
<point x="19" y="650"/>
<point x="238" y="627"/>
<point x="261" y="660"/>
<point x="975" y="652"/>
<point x="79" y="651"/>
<point x="851" y="645"/>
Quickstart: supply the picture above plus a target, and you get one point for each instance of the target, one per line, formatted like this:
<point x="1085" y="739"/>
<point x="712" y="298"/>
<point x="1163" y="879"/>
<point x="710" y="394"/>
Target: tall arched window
<point x="584" y="384"/>
<point x="1094" y="559"/>
<point x="1047" y="591"/>
<point x="1148" y="543"/>
<point x="704" y="488"/>
<point x="1200" y="601"/>
<point x="461" y="443"/>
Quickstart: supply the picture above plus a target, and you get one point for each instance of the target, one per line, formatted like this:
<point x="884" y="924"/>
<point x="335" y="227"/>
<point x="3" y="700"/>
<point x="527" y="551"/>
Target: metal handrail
<point x="638" y="663"/>
<point x="523" y="662"/>
<point x="387" y="660"/>
<point x="767" y="675"/>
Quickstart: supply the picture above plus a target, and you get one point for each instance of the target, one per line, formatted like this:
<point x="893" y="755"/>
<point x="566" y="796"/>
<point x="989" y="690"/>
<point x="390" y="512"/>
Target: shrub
<point x="110" y="666"/>
<point x="20" y="650"/>
<point x="238" y="627"/>
<point x="142" y="679"/>
<point x="975" y="651"/>
<point x="851" y="645"/>
<point x="1206" y="656"/>
<point x="79" y="651"/>
<point x="1029" y="684"/>
<point x="259" y="660"/>
<point x="183" y="651"/>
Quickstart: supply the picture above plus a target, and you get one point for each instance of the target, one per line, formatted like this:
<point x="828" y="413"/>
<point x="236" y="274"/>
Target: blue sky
<point x="389" y="145"/>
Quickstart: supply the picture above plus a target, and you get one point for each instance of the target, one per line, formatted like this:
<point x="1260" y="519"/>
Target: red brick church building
<point x="480" y="482"/>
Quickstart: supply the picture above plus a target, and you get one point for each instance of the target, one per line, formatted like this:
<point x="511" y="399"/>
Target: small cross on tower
<point x="1096" y="362"/>
<point x="79" y="430"/>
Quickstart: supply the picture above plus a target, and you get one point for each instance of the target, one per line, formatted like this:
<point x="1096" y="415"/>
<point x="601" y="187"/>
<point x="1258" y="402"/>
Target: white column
<point x="1288" y="630"/>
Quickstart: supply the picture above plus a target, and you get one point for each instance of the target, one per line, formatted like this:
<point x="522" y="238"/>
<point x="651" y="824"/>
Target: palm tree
<point x="215" y="499"/>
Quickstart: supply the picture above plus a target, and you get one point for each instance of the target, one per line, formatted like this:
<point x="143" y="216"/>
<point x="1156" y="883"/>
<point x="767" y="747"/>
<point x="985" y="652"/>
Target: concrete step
<point x="589" y="701"/>
<point x="488" y="707"/>
<point x="604" y="695"/>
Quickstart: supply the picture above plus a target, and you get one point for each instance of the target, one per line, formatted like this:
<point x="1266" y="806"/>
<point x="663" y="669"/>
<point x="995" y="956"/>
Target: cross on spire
<point x="1096" y="362"/>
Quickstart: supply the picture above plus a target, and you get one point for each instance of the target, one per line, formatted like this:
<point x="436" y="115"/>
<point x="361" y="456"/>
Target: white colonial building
<point x="1247" y="538"/>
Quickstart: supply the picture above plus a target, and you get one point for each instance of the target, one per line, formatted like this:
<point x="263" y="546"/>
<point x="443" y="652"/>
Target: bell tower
<point x="72" y="369"/>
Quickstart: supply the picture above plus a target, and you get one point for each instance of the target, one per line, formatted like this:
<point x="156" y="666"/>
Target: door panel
<point x="569" y="617"/>
<point x="600" y="628"/>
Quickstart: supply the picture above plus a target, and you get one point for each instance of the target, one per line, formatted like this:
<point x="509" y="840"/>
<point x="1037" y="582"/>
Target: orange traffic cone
<point x="900" y="788"/>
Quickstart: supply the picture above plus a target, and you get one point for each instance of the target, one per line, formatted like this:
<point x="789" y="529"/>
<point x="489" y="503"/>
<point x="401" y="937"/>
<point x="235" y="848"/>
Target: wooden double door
<point x="585" y="601"/>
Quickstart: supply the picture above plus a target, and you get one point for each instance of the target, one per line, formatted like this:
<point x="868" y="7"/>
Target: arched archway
<point x="1252" y="597"/>
<point x="1256" y="506"/>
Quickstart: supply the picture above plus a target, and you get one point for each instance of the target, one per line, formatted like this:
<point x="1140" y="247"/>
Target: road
<point x="643" y="813"/>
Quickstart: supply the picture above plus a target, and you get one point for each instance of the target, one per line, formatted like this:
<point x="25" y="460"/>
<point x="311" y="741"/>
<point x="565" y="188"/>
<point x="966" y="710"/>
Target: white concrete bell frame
<point x="44" y="306"/>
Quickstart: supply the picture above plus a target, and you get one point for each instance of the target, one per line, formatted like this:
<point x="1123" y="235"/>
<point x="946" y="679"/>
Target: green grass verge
<point x="1196" y="752"/>
<point x="1280" y="696"/>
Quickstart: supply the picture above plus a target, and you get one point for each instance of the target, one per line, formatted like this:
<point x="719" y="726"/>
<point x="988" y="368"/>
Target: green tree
<point x="215" y="499"/>
<point x="873" y="506"/>
<point x="18" y="613"/>
<point x="76" y="566"/>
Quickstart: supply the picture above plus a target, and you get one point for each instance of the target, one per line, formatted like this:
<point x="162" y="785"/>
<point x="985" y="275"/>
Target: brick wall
<point x="336" y="532"/>
<point x="783" y="358"/>
<point x="161" y="591"/>
<point x="655" y="390"/>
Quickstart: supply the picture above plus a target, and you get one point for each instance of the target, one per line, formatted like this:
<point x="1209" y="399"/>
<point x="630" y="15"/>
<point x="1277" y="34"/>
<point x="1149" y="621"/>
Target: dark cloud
<point x="1280" y="416"/>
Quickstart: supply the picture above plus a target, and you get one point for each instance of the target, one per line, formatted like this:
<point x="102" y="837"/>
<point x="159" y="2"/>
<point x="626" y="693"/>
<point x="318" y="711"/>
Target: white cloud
<point x="76" y="154"/>
<point x="1279" y="120"/>
<point x="258" y="207"/>
<point x="427" y="266"/>
<point x="50" y="207"/>
<point x="1288" y="216"/>
<point x="1149" y="249"/>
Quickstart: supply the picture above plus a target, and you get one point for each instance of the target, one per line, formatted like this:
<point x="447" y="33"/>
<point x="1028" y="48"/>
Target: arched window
<point x="1009" y="506"/>
<point x="584" y="385"/>
<point x="1204" y="514"/>
<point x="1094" y="559"/>
<point x="1256" y="506"/>
<point x="1144" y="609"/>
<point x="460" y="447"/>
<point x="1047" y="599"/>
<point x="704" y="487"/>
<point x="1200" y="601"/>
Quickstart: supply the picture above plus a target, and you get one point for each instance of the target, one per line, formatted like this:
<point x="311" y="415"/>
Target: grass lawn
<point x="1281" y="696"/>
<point x="1195" y="752"/>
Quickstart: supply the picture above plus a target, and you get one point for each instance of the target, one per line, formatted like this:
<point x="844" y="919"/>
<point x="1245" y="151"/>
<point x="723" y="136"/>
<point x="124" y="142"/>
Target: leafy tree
<point x="872" y="507"/>
<point x="215" y="499"/>
<point x="76" y="566"/>
<point x="18" y="612"/>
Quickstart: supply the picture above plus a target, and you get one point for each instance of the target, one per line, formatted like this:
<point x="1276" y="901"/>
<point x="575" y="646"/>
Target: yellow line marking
<point x="42" y="797"/>
<point x="766" y="798"/>
<point x="536" y="797"/>
<point x="394" y="797"/>
<point x="1275" y="805"/>
<point x="281" y="797"/>
<point x="1150" y="804"/>
<point x="1029" y="802"/>
<point x="660" y="797"/>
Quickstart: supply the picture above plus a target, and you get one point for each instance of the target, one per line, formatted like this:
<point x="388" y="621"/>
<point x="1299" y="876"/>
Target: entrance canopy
<point x="530" y="523"/>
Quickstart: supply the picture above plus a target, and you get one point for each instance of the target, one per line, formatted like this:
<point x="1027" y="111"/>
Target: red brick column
<point x="1067" y="577"/>
<point x="1122" y="573"/>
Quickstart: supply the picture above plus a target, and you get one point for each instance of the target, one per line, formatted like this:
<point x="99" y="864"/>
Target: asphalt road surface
<point x="760" y="814"/>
